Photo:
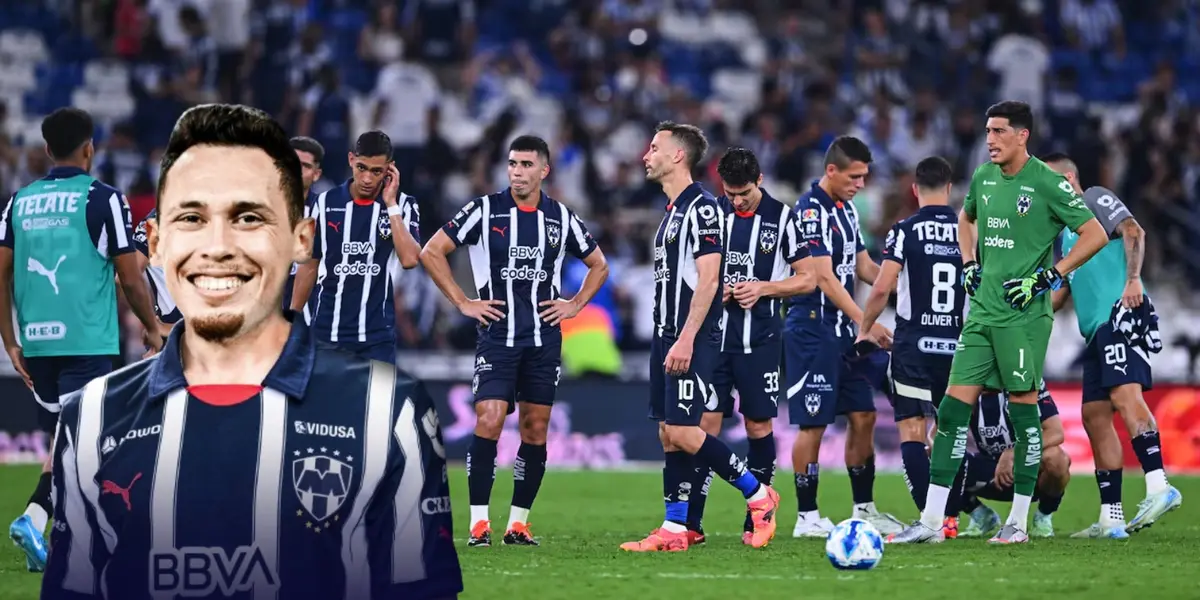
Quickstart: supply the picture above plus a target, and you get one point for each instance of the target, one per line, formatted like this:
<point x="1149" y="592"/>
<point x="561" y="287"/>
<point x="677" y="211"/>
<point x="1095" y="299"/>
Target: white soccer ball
<point x="854" y="544"/>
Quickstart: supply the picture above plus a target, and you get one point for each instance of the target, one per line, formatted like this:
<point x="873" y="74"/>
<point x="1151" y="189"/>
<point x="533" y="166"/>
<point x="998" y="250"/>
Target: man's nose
<point x="219" y="243"/>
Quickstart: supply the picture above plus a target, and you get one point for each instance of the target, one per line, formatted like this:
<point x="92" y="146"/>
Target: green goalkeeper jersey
<point x="1018" y="218"/>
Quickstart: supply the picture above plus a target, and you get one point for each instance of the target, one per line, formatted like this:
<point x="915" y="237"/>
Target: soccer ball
<point x="854" y="544"/>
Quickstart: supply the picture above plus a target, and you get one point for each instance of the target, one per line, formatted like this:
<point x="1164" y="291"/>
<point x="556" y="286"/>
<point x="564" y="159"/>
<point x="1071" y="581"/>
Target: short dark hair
<point x="234" y="125"/>
<point x="1019" y="114"/>
<point x="738" y="167"/>
<point x="374" y="143"/>
<point x="309" y="145"/>
<point x="846" y="150"/>
<point x="67" y="130"/>
<point x="933" y="173"/>
<point x="531" y="143"/>
<point x="695" y="145"/>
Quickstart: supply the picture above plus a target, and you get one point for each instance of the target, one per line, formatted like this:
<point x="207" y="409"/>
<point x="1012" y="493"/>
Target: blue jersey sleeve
<point x="109" y="221"/>
<point x="893" y="246"/>
<point x="1046" y="406"/>
<point x="409" y="525"/>
<point x="708" y="225"/>
<point x="6" y="223"/>
<point x="466" y="228"/>
<point x="813" y="222"/>
<point x="141" y="239"/>
<point x="793" y="247"/>
<point x="580" y="242"/>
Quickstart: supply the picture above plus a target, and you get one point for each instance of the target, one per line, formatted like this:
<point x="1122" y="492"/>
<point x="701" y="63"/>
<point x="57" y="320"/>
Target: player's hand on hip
<point x="1020" y="293"/>
<point x="557" y="311"/>
<point x="881" y="335"/>
<point x="679" y="358"/>
<point x="484" y="311"/>
<point x="391" y="187"/>
<point x="1004" y="469"/>
<point x="1132" y="296"/>
<point x="972" y="273"/>
<point x="18" y="362"/>
<point x="747" y="293"/>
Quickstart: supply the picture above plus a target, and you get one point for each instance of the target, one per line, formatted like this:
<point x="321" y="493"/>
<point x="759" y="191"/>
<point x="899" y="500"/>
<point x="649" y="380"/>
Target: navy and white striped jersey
<point x="517" y="256"/>
<point x="760" y="246"/>
<point x="354" y="245"/>
<point x="693" y="227"/>
<point x="156" y="278"/>
<point x="930" y="299"/>
<point x="326" y="482"/>
<point x="291" y="283"/>
<point x="991" y="427"/>
<point x="828" y="227"/>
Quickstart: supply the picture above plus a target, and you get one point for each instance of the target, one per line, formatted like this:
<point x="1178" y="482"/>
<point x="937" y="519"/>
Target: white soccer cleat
<point x="917" y="533"/>
<point x="1113" y="531"/>
<point x="885" y="523"/>
<point x="819" y="527"/>
<point x="1153" y="508"/>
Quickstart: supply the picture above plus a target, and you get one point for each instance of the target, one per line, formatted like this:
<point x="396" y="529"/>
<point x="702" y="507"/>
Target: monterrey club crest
<point x="1024" y="201"/>
<point x="553" y="234"/>
<point x="672" y="230"/>
<point x="385" y="227"/>
<point x="322" y="482"/>
<point x="767" y="240"/>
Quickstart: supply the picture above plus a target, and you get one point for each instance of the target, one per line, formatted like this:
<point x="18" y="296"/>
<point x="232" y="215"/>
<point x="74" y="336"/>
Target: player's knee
<point x="1127" y="399"/>
<point x="710" y="422"/>
<point x="533" y="428"/>
<point x="489" y="418"/>
<point x="1056" y="465"/>
<point x="758" y="429"/>
<point x="912" y="430"/>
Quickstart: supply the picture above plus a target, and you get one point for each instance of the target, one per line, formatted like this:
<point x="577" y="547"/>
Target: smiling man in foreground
<point x="261" y="466"/>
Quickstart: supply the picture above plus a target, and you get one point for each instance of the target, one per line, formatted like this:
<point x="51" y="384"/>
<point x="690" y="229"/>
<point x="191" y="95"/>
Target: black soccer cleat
<point x="519" y="535"/>
<point x="481" y="535"/>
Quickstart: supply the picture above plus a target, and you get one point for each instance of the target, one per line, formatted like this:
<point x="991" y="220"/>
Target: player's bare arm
<point x="306" y="279"/>
<point x="822" y="267"/>
<point x="407" y="249"/>
<point x="556" y="311"/>
<point x="1092" y="239"/>
<point x="7" y="333"/>
<point x="889" y="273"/>
<point x="865" y="268"/>
<point x="679" y="357"/>
<point x="133" y="284"/>
<point x="433" y="258"/>
<point x="1134" y="238"/>
<point x="1058" y="298"/>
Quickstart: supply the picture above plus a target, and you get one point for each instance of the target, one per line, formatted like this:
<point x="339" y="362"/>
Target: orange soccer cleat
<point x="481" y="535"/>
<point x="950" y="527"/>
<point x="762" y="512"/>
<point x="659" y="540"/>
<point x="695" y="538"/>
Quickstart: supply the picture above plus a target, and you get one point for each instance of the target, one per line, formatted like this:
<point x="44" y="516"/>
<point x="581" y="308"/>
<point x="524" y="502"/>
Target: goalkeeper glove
<point x="971" y="274"/>
<point x="1021" y="292"/>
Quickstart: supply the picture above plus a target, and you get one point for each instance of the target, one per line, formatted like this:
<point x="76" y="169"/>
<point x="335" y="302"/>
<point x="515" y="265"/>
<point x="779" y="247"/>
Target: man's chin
<point x="216" y="327"/>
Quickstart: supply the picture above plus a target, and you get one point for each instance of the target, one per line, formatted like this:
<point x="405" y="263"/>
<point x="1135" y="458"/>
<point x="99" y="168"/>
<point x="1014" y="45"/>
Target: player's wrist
<point x="393" y="209"/>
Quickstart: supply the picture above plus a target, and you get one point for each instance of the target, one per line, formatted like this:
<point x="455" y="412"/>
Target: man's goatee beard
<point x="216" y="328"/>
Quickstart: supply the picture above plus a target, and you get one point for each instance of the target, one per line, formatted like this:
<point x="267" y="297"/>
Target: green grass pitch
<point x="581" y="517"/>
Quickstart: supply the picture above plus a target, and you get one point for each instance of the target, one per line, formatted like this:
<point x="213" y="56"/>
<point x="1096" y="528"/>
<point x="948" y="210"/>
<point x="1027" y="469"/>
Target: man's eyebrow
<point x="238" y="207"/>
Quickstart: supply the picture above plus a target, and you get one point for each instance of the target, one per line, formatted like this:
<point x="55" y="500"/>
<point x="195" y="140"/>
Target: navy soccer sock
<point x="528" y="470"/>
<point x="1047" y="505"/>
<point x="678" y="471"/>
<point x="701" y="480"/>
<point x="862" y="482"/>
<point x="760" y="459"/>
<point x="916" y="471"/>
<point x="727" y="465"/>
<point x="1109" y="483"/>
<point x="481" y="473"/>
<point x="806" y="488"/>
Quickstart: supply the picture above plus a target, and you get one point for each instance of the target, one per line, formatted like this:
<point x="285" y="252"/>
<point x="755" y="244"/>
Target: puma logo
<point x="35" y="266"/>
<point x="1020" y="374"/>
<point x="686" y="408"/>
<point x="334" y="225"/>
<point x="500" y="230"/>
<point x="1121" y="368"/>
<point x="986" y="197"/>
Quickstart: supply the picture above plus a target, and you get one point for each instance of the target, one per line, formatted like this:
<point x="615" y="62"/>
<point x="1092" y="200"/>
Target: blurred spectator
<point x="1093" y="25"/>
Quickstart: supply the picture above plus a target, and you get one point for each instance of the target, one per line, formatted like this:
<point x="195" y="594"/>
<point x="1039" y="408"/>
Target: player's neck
<point x="1015" y="165"/>
<point x="938" y="200"/>
<point x="529" y="201"/>
<point x="674" y="184"/>
<point x="71" y="164"/>
<point x="244" y="359"/>
<point x="827" y="187"/>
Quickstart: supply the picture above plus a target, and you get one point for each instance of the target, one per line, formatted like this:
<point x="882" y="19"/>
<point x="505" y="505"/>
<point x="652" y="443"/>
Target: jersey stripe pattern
<point x="991" y="427"/>
<point x="930" y="300"/>
<point x="694" y="226"/>
<point x="517" y="256"/>
<point x="828" y="227"/>
<point x="354" y="244"/>
<point x="155" y="276"/>
<point x="329" y="481"/>
<point x="759" y="247"/>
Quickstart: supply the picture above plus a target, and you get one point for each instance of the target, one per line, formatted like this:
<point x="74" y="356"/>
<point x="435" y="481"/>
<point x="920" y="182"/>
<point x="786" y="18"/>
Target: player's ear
<point x="350" y="158"/>
<point x="758" y="182"/>
<point x="152" y="241"/>
<point x="303" y="235"/>
<point x="914" y="190"/>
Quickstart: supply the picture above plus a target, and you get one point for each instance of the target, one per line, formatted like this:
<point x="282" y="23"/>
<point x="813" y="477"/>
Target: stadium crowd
<point x="453" y="81"/>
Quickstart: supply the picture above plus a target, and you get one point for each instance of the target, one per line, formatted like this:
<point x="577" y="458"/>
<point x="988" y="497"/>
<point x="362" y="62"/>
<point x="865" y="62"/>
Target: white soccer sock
<point x="38" y="515"/>
<point x="1112" y="514"/>
<point x="1019" y="515"/>
<point x="479" y="513"/>
<point x="1156" y="482"/>
<point x="758" y="495"/>
<point x="518" y="515"/>
<point x="812" y="515"/>
<point x="674" y="527"/>
<point x="935" y="506"/>
<point x="865" y="507"/>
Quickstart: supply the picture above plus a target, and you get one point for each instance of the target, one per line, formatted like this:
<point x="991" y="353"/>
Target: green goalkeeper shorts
<point x="1002" y="358"/>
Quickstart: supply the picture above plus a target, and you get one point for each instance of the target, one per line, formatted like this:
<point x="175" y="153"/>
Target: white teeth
<point x="217" y="284"/>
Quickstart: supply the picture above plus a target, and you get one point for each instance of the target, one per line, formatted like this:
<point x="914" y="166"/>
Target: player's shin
<point x="760" y="459"/>
<point x="1111" y="511"/>
<point x="529" y="468"/>
<point x="730" y="467"/>
<point x="481" y="474"/>
<point x="916" y="471"/>
<point x="1027" y="459"/>
<point x="678" y="470"/>
<point x="862" y="482"/>
<point x="701" y="482"/>
<point x="40" y="505"/>
<point x="949" y="448"/>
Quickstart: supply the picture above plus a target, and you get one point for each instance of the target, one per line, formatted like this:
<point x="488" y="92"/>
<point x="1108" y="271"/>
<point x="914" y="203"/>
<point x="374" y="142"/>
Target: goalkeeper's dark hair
<point x="531" y="143"/>
<point x="237" y="126"/>
<point x="309" y="145"/>
<point x="933" y="173"/>
<point x="738" y="167"/>
<point x="66" y="130"/>
<point x="373" y="143"/>
<point x="689" y="137"/>
<point x="1019" y="114"/>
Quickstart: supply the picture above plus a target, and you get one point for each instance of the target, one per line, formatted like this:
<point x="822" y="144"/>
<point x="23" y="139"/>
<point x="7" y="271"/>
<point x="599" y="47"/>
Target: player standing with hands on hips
<point x="1118" y="321"/>
<point x="688" y="252"/>
<point x="1014" y="209"/>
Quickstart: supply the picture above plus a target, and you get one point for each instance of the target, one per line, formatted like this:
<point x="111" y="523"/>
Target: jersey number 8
<point x="945" y="275"/>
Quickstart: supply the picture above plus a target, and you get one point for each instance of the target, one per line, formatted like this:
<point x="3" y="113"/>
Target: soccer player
<point x="687" y="335"/>
<point x="824" y="376"/>
<point x="518" y="240"/>
<point x="989" y="473"/>
<point x="922" y="263"/>
<point x="762" y="266"/>
<point x="62" y="238"/>
<point x="1019" y="205"/>
<point x="311" y="153"/>
<point x="1116" y="368"/>
<point x="361" y="227"/>
<point x="246" y="461"/>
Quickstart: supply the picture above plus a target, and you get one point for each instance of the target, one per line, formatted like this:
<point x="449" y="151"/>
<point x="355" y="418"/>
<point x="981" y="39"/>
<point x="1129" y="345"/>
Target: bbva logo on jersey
<point x="322" y="483"/>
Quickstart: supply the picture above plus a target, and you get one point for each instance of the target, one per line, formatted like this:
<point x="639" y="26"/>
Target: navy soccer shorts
<point x="918" y="381"/>
<point x="382" y="351"/>
<point x="1109" y="361"/>
<point x="55" y="376"/>
<point x="518" y="374"/>
<point x="682" y="400"/>
<point x="823" y="378"/>
<point x="755" y="376"/>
